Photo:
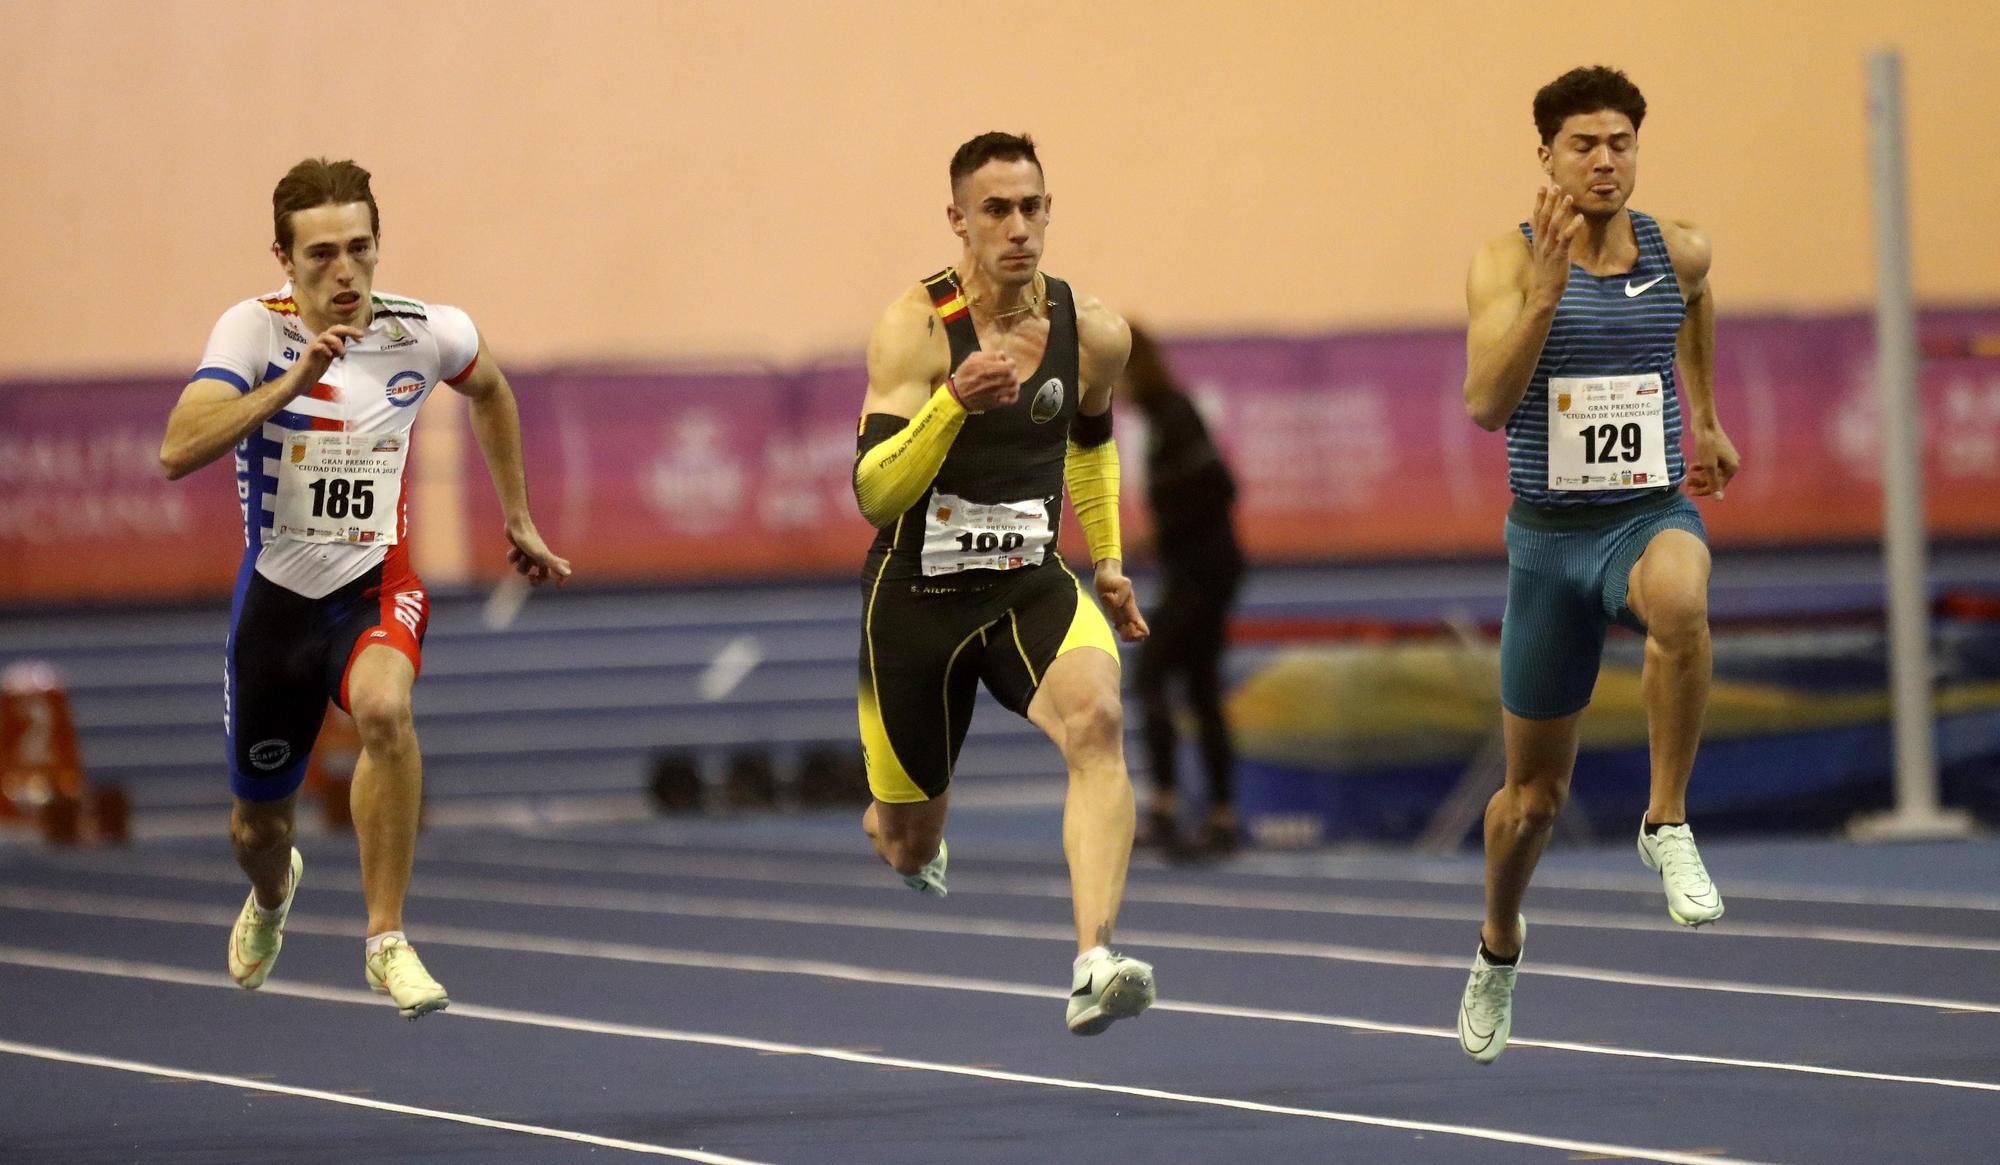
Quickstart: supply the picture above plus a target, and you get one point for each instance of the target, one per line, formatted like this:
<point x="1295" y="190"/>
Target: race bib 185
<point x="340" y="487"/>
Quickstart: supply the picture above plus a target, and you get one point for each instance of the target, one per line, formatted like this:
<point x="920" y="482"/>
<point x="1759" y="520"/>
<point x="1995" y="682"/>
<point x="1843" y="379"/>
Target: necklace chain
<point x="1036" y="298"/>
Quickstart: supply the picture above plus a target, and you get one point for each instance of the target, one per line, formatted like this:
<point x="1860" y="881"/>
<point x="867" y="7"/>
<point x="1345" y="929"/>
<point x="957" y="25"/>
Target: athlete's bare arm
<point x="1511" y="295"/>
<point x="212" y="416"/>
<point x="1104" y="343"/>
<point x="1715" y="459"/>
<point x="908" y="357"/>
<point x="496" y="423"/>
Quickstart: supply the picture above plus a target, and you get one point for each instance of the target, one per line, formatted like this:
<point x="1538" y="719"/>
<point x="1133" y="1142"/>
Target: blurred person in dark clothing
<point x="1191" y="493"/>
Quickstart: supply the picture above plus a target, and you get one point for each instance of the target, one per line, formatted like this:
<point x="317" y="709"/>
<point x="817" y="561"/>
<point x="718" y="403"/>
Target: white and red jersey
<point x="375" y="389"/>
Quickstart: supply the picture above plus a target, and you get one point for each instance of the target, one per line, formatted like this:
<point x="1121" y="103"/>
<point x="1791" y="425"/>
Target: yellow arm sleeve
<point x="1091" y="472"/>
<point x="890" y="476"/>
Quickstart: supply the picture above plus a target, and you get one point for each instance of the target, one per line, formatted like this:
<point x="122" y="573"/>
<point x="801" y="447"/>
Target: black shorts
<point x="288" y="655"/>
<point x="926" y="643"/>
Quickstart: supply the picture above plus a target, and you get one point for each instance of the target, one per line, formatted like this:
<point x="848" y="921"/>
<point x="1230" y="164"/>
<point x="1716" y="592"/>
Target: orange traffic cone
<point x="41" y="771"/>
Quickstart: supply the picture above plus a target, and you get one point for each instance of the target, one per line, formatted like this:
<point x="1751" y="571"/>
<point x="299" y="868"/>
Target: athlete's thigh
<point x="1048" y="618"/>
<point x="919" y="660"/>
<point x="1552" y="635"/>
<point x="1658" y="568"/>
<point x="386" y="608"/>
<point x="275" y="691"/>
<point x="1670" y="578"/>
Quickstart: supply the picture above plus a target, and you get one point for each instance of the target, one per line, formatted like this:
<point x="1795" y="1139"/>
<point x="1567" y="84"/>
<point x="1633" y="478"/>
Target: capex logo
<point x="405" y="388"/>
<point x="270" y="754"/>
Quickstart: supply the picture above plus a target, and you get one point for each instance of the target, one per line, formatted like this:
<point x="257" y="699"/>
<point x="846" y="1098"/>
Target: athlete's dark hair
<point x="318" y="182"/>
<point x="1586" y="90"/>
<point x="991" y="147"/>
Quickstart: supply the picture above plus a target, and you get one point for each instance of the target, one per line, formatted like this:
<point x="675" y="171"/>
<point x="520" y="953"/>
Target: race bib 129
<point x="1607" y="432"/>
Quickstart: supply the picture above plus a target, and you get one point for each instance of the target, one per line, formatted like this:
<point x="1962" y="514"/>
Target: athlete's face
<point x="1595" y="160"/>
<point x="1001" y="210"/>
<point x="331" y="264"/>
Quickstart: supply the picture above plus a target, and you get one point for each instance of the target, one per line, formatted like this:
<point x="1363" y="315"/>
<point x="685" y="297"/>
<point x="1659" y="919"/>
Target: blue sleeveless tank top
<point x="1610" y="325"/>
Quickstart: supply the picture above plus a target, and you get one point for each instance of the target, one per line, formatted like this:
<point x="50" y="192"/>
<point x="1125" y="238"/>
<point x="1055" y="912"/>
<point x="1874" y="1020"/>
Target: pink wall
<point x="665" y="180"/>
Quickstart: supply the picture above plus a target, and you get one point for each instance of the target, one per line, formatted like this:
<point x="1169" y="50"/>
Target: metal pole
<point x="1904" y="535"/>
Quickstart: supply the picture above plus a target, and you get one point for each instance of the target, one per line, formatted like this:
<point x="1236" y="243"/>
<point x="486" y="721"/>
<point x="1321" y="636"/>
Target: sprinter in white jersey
<point x="316" y="389"/>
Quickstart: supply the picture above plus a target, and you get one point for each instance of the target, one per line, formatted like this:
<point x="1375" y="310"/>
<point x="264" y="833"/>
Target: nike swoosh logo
<point x="1083" y="990"/>
<point x="1632" y="292"/>
<point x="1483" y="1038"/>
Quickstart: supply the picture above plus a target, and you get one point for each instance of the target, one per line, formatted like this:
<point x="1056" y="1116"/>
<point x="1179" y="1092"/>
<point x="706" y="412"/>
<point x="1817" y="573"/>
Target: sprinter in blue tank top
<point x="1577" y="320"/>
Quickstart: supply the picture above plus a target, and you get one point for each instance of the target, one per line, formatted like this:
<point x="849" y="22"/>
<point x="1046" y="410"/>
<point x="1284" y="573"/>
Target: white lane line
<point x="740" y="869"/>
<point x="747" y="910"/>
<point x="513" y="943"/>
<point x="1269" y="865"/>
<point x="179" y="976"/>
<point x="61" y="1055"/>
<point x="1368" y="869"/>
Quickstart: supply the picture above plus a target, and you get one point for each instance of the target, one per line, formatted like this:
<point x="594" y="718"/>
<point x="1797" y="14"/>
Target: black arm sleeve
<point x="1087" y="430"/>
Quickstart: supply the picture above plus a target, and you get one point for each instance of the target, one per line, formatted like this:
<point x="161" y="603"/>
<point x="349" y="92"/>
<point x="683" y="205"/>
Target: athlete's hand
<point x="532" y="557"/>
<point x="987" y="380"/>
<point x="1114" y="590"/>
<point x="1555" y="223"/>
<point x="1715" y="462"/>
<point x="319" y="355"/>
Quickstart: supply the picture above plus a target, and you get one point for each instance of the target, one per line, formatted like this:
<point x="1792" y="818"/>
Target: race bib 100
<point x="340" y="487"/>
<point x="1607" y="432"/>
<point x="961" y="535"/>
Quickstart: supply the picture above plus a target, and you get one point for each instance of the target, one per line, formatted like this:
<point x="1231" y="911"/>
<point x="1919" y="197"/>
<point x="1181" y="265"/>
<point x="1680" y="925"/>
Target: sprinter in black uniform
<point x="989" y="389"/>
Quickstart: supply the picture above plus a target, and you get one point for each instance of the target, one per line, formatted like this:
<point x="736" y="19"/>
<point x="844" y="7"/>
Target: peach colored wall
<point x="672" y="180"/>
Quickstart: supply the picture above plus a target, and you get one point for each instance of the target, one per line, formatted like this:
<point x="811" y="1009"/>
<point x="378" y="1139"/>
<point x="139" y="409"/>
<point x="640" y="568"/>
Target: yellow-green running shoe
<point x="396" y="971"/>
<point x="254" y="943"/>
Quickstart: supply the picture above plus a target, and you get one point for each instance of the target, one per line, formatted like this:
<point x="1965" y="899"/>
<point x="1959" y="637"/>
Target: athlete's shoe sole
<point x="250" y="975"/>
<point x="1108" y="989"/>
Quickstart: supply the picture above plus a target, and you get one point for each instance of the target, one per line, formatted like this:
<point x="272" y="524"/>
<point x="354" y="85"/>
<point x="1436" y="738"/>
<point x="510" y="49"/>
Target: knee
<point x="1534" y="806"/>
<point x="1677" y="621"/>
<point x="908" y="851"/>
<point x="909" y="855"/>
<point x="1095" y="723"/>
<point x="382" y="717"/>
<point x="261" y="829"/>
<point x="908" y="846"/>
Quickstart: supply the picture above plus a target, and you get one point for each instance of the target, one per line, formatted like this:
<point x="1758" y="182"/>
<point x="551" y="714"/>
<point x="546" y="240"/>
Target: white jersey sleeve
<point x="457" y="341"/>
<point x="239" y="349"/>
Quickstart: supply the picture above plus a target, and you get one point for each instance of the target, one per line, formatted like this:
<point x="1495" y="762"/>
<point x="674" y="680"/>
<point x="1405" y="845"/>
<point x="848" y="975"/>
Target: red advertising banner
<point x="1347" y="446"/>
<point x="85" y="512"/>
